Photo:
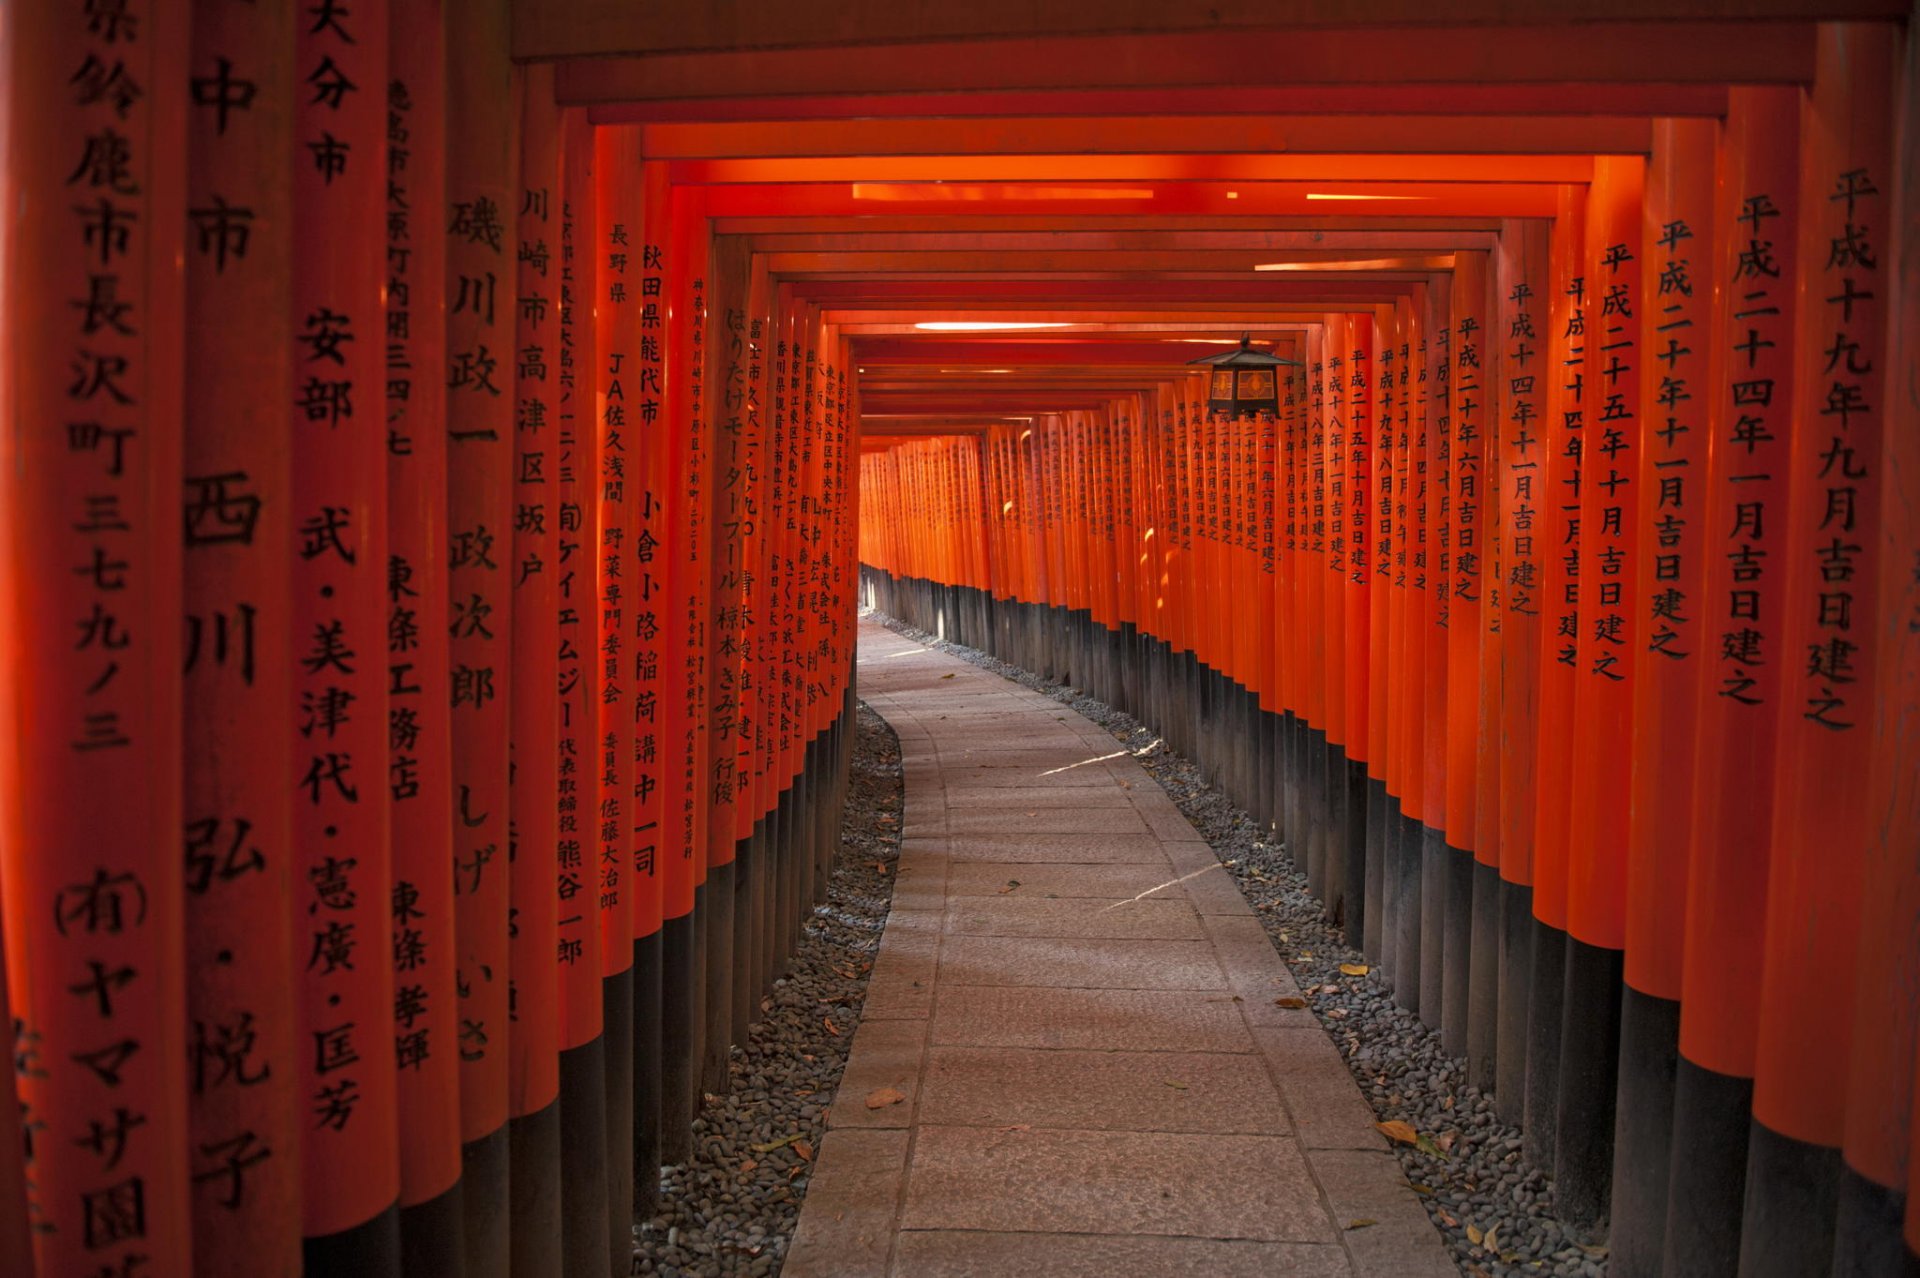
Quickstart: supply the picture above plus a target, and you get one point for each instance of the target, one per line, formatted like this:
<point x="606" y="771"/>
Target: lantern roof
<point x="1245" y="357"/>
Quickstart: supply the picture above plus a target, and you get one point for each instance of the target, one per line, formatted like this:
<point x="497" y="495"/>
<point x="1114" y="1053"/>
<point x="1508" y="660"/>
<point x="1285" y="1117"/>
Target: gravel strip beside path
<point x="733" y="1208"/>
<point x="1471" y="1175"/>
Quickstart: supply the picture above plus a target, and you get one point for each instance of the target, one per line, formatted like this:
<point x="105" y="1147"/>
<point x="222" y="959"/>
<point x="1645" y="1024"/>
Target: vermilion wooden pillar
<point x="1438" y="518"/>
<point x="1880" y="1097"/>
<point x="1827" y="635"/>
<point x="478" y="220"/>
<point x="1608" y="651"/>
<point x="1559" y="657"/>
<point x="1520" y="298"/>
<point x="533" y="1071"/>
<point x="91" y="603"/>
<point x="1469" y="1020"/>
<point x="426" y="1022"/>
<point x="237" y="732"/>
<point x="1737" y="696"/>
<point x="586" y="1242"/>
<point x="1677" y="421"/>
<point x="622" y="835"/>
<point x="342" y="868"/>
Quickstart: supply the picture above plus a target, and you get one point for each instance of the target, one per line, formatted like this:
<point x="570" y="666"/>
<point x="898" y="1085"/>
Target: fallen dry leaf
<point x="831" y="1027"/>
<point x="1176" y="1086"/>
<point x="948" y="676"/>
<point x="749" y="1165"/>
<point x="1361" y="1222"/>
<point x="879" y="867"/>
<point x="1398" y="1132"/>
<point x="1337" y="1013"/>
<point x="1492" y="1241"/>
<point x="1445" y="1140"/>
<point x="1419" y="1188"/>
<point x="803" y="1149"/>
<point x="1473" y="1234"/>
<point x="1289" y="1002"/>
<point x="772" y="1145"/>
<point x="881" y="1097"/>
<point x="1011" y="885"/>
<point x="1426" y="1146"/>
<point x="1018" y="1127"/>
<point x="1447" y="1219"/>
<point x="1355" y="969"/>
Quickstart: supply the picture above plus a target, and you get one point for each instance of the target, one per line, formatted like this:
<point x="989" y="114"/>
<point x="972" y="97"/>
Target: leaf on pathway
<point x="1447" y="1218"/>
<point x="1426" y="1146"/>
<point x="749" y="1165"/>
<point x="1419" y="1188"/>
<point x="1289" y="1002"/>
<point x="949" y="676"/>
<point x="1018" y="1127"/>
<point x="1361" y="1222"/>
<point x="772" y="1145"/>
<point x="1598" y="1253"/>
<point x="1011" y="885"/>
<point x="881" y="1097"/>
<point x="1474" y="1235"/>
<point x="1492" y="1241"/>
<point x="1181" y="1087"/>
<point x="803" y="1149"/>
<point x="831" y="1027"/>
<point x="1398" y="1132"/>
<point x="1337" y="1013"/>
<point x="1355" y="969"/>
<point x="880" y="867"/>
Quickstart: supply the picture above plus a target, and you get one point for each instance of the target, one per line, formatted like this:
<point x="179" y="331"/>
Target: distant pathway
<point x="1076" y="1009"/>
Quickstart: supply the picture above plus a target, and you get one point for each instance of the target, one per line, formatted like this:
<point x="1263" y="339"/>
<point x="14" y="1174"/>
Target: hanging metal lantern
<point x="1244" y="382"/>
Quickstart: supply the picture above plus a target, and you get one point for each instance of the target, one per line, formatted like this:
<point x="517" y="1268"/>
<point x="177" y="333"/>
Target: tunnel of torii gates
<point x="430" y="566"/>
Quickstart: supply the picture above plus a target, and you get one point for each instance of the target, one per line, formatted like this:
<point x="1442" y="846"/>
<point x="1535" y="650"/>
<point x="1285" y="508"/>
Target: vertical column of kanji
<point x="1830" y="645"/>
<point x="343" y="867"/>
<point x="533" y="1061"/>
<point x="584" y="1134"/>
<point x="1469" y="877"/>
<point x="1442" y="975"/>
<point x="419" y="720"/>
<point x="1559" y="651"/>
<point x="619" y="850"/>
<point x="724" y="424"/>
<point x="1520" y="275"/>
<point x="1607" y="651"/>
<point x="1356" y="605"/>
<point x="236" y="742"/>
<point x="480" y="331"/>
<point x="89" y="868"/>
<point x="761" y="421"/>
<point x="1267" y="532"/>
<point x="1671" y="478"/>
<point x="1309" y="599"/>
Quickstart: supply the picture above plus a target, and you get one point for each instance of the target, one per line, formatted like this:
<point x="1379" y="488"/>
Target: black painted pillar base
<point x="370" y="1249"/>
<point x="484" y="1174"/>
<point x="697" y="1004"/>
<point x="1793" y="1197"/>
<point x="679" y="986"/>
<point x="1589" y="1073"/>
<point x="1643" y="1133"/>
<point x="627" y="1124"/>
<point x="1483" y="978"/>
<point x="1867" y="1240"/>
<point x="1373" y="900"/>
<point x="1434" y="857"/>
<point x="1353" y="853"/>
<point x="432" y="1236"/>
<point x="745" y="972"/>
<point x="1706" y="1172"/>
<point x="583" y="1161"/>
<point x="633" y="1187"/>
<point x="718" y="1038"/>
<point x="1546" y="1001"/>
<point x="1404" y="851"/>
<point x="533" y="1184"/>
<point x="1457" y="952"/>
<point x="1516" y="981"/>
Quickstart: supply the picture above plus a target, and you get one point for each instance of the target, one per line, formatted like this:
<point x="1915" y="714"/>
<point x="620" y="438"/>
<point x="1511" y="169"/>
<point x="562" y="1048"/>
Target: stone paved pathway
<point x="1078" y="1008"/>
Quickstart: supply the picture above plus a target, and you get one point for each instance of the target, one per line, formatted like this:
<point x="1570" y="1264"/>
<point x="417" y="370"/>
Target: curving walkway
<point x="1075" y="1006"/>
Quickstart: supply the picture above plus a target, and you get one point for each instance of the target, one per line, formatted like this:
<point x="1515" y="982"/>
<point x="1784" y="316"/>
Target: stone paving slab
<point x="1074" y="1006"/>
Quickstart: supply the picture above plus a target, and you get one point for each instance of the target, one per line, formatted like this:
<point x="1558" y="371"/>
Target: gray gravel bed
<point x="734" y="1207"/>
<point x="1468" y="1167"/>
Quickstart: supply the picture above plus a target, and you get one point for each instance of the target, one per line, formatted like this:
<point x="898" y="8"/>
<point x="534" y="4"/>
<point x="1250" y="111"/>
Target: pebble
<point x="1482" y="1179"/>
<point x="716" y="1220"/>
